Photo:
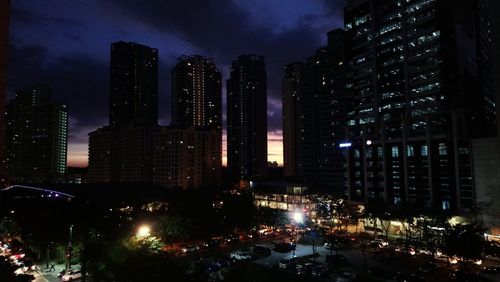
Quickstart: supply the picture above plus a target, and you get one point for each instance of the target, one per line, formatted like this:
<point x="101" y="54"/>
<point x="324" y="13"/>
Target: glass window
<point x="369" y="153"/>
<point x="443" y="149"/>
<point x="424" y="151"/>
<point x="395" y="152"/>
<point x="411" y="151"/>
<point x="446" y="205"/>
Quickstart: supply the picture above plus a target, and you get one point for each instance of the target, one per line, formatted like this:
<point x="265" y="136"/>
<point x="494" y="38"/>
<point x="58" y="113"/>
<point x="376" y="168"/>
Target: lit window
<point x="395" y="152"/>
<point x="443" y="149"/>
<point x="411" y="151"/>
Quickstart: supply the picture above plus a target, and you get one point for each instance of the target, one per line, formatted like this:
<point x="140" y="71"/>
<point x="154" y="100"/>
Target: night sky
<point x="66" y="44"/>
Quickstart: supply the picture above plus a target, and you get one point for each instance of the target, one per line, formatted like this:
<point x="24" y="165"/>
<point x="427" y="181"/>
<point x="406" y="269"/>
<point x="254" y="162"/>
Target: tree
<point x="465" y="241"/>
<point x="9" y="228"/>
<point x="176" y="228"/>
<point x="239" y="210"/>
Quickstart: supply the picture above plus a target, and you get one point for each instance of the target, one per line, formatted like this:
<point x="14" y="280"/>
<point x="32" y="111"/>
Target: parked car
<point x="262" y="251"/>
<point x="336" y="259"/>
<point x="243" y="254"/>
<point x="287" y="263"/>
<point x="66" y="271"/>
<point x="213" y="243"/>
<point x="428" y="267"/>
<point x="346" y="277"/>
<point x="284" y="247"/>
<point x="304" y="268"/>
<point x="232" y="238"/>
<point x="492" y="270"/>
<point x="71" y="277"/>
<point x="190" y="249"/>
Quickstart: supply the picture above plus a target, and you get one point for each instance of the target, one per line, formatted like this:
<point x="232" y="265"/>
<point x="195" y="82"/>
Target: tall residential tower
<point x="37" y="130"/>
<point x="247" y="119"/>
<point x="122" y="151"/>
<point x="134" y="85"/>
<point x="4" y="43"/>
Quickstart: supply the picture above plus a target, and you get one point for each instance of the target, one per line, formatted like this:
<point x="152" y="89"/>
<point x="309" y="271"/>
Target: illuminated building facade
<point x="196" y="93"/>
<point x="420" y="90"/>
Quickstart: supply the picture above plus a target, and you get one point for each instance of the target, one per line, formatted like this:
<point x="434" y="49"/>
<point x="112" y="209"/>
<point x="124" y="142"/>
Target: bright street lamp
<point x="298" y="217"/>
<point x="144" y="231"/>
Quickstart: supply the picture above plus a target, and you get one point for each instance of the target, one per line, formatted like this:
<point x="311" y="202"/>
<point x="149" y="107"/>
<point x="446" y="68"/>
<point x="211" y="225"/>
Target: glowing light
<point x="144" y="231"/>
<point x="298" y="217"/>
<point x="368" y="142"/>
<point x="345" y="145"/>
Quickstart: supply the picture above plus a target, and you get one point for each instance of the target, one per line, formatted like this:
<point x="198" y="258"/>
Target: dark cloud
<point x="79" y="75"/>
<point x="30" y="17"/>
<point x="76" y="80"/>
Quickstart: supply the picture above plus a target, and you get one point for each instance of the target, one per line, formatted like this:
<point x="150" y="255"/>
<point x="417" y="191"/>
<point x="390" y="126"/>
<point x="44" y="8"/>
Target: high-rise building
<point x="136" y="154"/>
<point x="247" y="119"/>
<point x="196" y="123"/>
<point x="186" y="158"/>
<point x="133" y="85"/>
<point x="420" y="89"/>
<point x="4" y="43"/>
<point x="291" y="148"/>
<point x="122" y="151"/>
<point x="104" y="156"/>
<point x="196" y="93"/>
<point x="37" y="130"/>
<point x="314" y="110"/>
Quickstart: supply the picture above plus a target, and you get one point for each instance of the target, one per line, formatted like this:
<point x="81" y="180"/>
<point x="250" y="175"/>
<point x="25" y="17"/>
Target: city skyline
<point x="46" y="41"/>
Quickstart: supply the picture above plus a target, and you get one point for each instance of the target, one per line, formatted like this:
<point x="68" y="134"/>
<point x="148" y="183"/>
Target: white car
<point x="243" y="254"/>
<point x="71" y="277"/>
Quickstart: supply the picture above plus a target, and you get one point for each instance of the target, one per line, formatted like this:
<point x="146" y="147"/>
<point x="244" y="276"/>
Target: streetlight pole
<point x="70" y="247"/>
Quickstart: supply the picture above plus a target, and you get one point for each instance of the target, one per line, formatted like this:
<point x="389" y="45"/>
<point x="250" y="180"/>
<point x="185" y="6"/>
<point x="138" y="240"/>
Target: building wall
<point x="4" y="43"/>
<point x="104" y="157"/>
<point x="186" y="158"/>
<point x="314" y="116"/>
<point x="196" y="93"/>
<point x="133" y="85"/>
<point x="136" y="154"/>
<point x="37" y="130"/>
<point x="415" y="77"/>
<point x="486" y="159"/>
<point x="247" y="119"/>
<point x="291" y="88"/>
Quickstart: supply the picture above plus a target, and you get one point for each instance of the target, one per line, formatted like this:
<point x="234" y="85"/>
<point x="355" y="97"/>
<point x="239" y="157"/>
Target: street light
<point x="143" y="231"/>
<point x="70" y="247"/>
<point x="298" y="217"/>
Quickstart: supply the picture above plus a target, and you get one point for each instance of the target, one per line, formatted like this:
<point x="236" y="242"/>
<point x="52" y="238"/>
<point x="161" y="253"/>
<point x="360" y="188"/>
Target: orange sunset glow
<point x="78" y="153"/>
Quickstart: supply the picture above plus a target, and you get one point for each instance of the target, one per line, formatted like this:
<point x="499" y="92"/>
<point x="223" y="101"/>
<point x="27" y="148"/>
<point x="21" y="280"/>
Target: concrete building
<point x="122" y="151"/>
<point x="314" y="117"/>
<point x="486" y="160"/>
<point x="104" y="157"/>
<point x="136" y="154"/>
<point x="4" y="43"/>
<point x="247" y="119"/>
<point x="37" y="130"/>
<point x="420" y="90"/>
<point x="196" y="93"/>
<point x="186" y="158"/>
<point x="133" y="85"/>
